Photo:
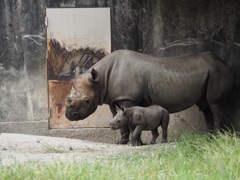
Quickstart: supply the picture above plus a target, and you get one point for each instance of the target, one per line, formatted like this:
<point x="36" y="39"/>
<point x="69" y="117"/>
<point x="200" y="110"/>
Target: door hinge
<point x="46" y="21"/>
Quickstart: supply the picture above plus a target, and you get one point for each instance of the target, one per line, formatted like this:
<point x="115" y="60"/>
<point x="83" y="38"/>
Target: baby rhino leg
<point x="136" y="135"/>
<point x="164" y="124"/>
<point x="155" y="135"/>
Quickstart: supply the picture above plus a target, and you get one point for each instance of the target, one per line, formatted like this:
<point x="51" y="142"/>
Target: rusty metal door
<point x="75" y="37"/>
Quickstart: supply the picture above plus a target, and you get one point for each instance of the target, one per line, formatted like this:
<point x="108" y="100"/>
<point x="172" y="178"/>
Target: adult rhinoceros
<point x="127" y="78"/>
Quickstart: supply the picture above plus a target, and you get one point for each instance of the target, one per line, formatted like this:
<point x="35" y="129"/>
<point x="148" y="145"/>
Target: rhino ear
<point x="95" y="75"/>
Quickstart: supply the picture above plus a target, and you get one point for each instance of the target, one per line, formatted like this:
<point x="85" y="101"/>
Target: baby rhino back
<point x="152" y="116"/>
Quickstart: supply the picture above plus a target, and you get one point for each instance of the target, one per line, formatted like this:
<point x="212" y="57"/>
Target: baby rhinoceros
<point x="142" y="118"/>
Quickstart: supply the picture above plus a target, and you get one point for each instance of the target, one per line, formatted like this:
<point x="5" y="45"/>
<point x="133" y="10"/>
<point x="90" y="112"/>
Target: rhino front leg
<point x="124" y="131"/>
<point x="124" y="135"/>
<point x="136" y="135"/>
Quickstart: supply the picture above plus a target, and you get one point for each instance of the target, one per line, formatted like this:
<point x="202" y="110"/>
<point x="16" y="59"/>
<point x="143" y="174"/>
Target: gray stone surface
<point x="23" y="82"/>
<point x="158" y="27"/>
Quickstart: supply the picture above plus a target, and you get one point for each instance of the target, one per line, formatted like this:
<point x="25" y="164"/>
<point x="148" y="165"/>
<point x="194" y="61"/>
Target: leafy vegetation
<point x="192" y="157"/>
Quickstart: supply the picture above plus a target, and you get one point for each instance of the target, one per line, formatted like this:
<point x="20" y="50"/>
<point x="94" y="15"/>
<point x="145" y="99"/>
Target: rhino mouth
<point x="114" y="127"/>
<point x="74" y="116"/>
<point x="78" y="112"/>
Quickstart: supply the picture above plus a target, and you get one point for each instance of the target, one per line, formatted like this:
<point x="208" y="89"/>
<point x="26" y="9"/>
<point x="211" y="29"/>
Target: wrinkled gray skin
<point x="127" y="78"/>
<point x="142" y="118"/>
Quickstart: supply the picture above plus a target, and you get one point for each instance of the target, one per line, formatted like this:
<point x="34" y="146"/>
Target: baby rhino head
<point x="119" y="120"/>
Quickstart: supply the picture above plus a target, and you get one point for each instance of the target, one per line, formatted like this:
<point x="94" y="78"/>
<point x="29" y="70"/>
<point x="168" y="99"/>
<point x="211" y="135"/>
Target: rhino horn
<point x="78" y="70"/>
<point x="74" y="92"/>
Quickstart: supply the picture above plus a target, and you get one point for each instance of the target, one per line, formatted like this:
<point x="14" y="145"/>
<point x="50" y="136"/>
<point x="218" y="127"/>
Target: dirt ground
<point x="22" y="148"/>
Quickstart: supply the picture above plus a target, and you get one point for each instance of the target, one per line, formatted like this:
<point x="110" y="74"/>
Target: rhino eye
<point x="86" y="100"/>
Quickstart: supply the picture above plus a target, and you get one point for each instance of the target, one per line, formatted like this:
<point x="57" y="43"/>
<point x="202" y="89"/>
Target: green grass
<point x="192" y="157"/>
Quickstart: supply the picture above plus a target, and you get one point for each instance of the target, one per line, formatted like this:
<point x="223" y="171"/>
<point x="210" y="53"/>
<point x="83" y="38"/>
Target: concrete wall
<point x="157" y="27"/>
<point x="22" y="61"/>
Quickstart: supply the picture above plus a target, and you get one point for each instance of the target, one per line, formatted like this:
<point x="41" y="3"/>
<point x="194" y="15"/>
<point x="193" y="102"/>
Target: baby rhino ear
<point x="124" y="110"/>
<point x="117" y="108"/>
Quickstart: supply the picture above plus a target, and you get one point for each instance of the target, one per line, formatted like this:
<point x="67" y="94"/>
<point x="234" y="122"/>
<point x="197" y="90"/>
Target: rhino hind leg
<point x="164" y="125"/>
<point x="209" y="118"/>
<point x="207" y="112"/>
<point x="218" y="89"/>
<point x="213" y="122"/>
<point x="155" y="135"/>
